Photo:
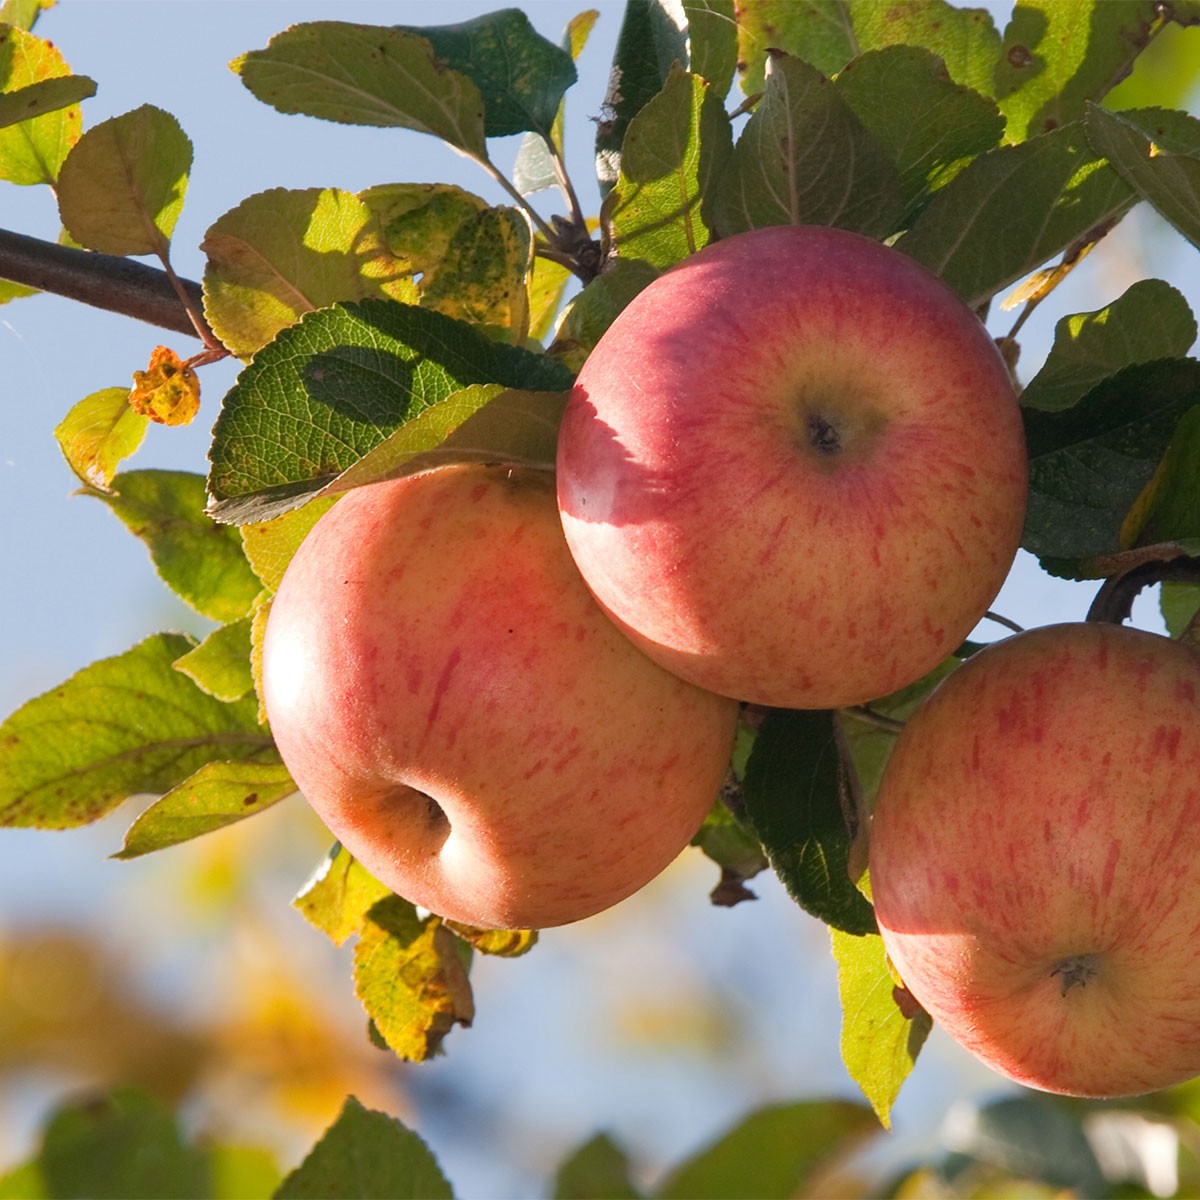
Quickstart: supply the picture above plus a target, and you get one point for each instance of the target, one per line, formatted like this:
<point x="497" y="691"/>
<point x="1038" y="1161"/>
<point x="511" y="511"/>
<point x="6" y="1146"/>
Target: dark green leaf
<point x="676" y="150"/>
<point x="1059" y="54"/>
<point x="649" y="43"/>
<point x="370" y="1156"/>
<point x="804" y="158"/>
<point x="1156" y="152"/>
<point x="1150" y="320"/>
<point x="799" y="801"/>
<point x="1088" y="464"/>
<point x="712" y="42"/>
<point x="520" y="75"/>
<point x="929" y="125"/>
<point x="198" y="559"/>
<point x="1168" y="510"/>
<point x="366" y="75"/>
<point x="44" y="96"/>
<point x="334" y="386"/>
<point x="597" y="1170"/>
<point x="123" y="725"/>
<point x="773" y="1153"/>
<point x="1014" y="208"/>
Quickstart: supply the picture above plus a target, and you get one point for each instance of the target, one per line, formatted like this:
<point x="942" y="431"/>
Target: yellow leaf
<point x="167" y="391"/>
<point x="98" y="432"/>
<point x="505" y="943"/>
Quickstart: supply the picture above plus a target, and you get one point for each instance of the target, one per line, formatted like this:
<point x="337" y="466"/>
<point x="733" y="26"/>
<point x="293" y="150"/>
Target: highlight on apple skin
<point x="1035" y="858"/>
<point x="454" y="705"/>
<point x="793" y="469"/>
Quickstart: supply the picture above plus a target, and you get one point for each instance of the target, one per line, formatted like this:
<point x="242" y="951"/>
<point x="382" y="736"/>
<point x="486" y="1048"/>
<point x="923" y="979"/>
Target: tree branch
<point x="119" y="285"/>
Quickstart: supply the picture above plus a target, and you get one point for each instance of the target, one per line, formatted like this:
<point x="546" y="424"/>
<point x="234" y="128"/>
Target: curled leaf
<point x="167" y="391"/>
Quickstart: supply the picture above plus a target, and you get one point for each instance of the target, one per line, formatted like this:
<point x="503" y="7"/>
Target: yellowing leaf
<point x="98" y="432"/>
<point x="269" y="545"/>
<point x="33" y="151"/>
<point x="504" y="943"/>
<point x="339" y="895"/>
<point x="168" y="391"/>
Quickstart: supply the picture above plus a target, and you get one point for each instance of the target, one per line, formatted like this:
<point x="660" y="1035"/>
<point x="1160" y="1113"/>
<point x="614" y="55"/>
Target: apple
<point x="457" y="709"/>
<point x="1035" y="858"/>
<point x="793" y="469"/>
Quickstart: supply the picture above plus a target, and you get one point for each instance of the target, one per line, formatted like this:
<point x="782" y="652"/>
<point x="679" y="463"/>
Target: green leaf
<point x="220" y="664"/>
<point x="818" y="32"/>
<point x="23" y="13"/>
<point x="880" y="1043"/>
<point x="773" y="1153"/>
<point x="339" y="895"/>
<point x="124" y="725"/>
<point x="333" y="387"/>
<point x="1150" y="320"/>
<point x="199" y="560"/>
<point x="410" y="977"/>
<point x="597" y="1170"/>
<point x="649" y="44"/>
<point x="368" y="1155"/>
<point x="1059" y="54"/>
<point x="1157" y="152"/>
<point x="14" y="291"/>
<point x="1088" y="464"/>
<point x="33" y="151"/>
<point x="98" y="433"/>
<point x="929" y="125"/>
<point x="597" y="307"/>
<point x="713" y="42"/>
<point x="804" y="158"/>
<point x="121" y="189"/>
<point x="1012" y="209"/>
<point x="1168" y="509"/>
<point x="269" y="545"/>
<point x="520" y="74"/>
<point x="218" y="794"/>
<point x="45" y="96"/>
<point x="282" y="253"/>
<point x="1179" y="603"/>
<point x="799" y="801"/>
<point x="675" y="151"/>
<point x="366" y="75"/>
<point x="733" y="846"/>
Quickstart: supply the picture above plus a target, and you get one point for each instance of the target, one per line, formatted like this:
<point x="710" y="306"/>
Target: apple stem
<point x="1078" y="969"/>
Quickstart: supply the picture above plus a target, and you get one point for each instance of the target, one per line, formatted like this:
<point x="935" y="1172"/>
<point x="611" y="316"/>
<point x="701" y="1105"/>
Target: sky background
<point x="661" y="1021"/>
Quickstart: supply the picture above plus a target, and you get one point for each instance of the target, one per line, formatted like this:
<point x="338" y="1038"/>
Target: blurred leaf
<point x="597" y="1170"/>
<point x="649" y="43"/>
<point x="98" y="433"/>
<point x="1012" y="209"/>
<point x="547" y="284"/>
<point x="597" y="306"/>
<point x="33" y="151"/>
<point x="1157" y="152"/>
<point x="804" y="158"/>
<point x="269" y="545"/>
<point x="339" y="895"/>
<point x="23" y="13"/>
<point x="167" y="391"/>
<point x="368" y="1155"/>
<point x="366" y="75"/>
<point x="242" y="1172"/>
<point x="1059" y="54"/>
<point x="45" y="96"/>
<point x="333" y="387"/>
<point x="1088" y="464"/>
<point x="1168" y="509"/>
<point x="124" y="725"/>
<point x="220" y="664"/>
<point x="928" y="124"/>
<point x="1165" y="72"/>
<point x="1149" y="320"/>
<point x="520" y="74"/>
<point x="121" y="189"/>
<point x="880" y="1041"/>
<point x="772" y="1153"/>
<point x="675" y="151"/>
<point x="1178" y="603"/>
<point x="713" y="42"/>
<point x="199" y="560"/>
<point x="282" y="253"/>
<point x="218" y="794"/>
<point x="798" y="800"/>
<point x="410" y="977"/>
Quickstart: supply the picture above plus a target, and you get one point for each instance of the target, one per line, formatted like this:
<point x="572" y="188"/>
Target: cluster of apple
<point x="792" y="473"/>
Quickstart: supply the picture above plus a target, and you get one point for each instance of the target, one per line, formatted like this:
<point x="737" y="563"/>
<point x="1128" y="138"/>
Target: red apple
<point x="464" y="718"/>
<point x="793" y="470"/>
<point x="1035" y="859"/>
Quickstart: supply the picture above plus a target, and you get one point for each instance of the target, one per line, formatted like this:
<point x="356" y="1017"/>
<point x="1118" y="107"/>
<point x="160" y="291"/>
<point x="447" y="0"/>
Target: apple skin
<point x="1041" y="811"/>
<point x="793" y="470"/>
<point x="464" y="718"/>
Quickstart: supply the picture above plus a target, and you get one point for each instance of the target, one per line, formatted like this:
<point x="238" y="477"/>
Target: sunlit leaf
<point x="23" y="13"/>
<point x="269" y="545"/>
<point x="880" y="1038"/>
<point x="121" y="189"/>
<point x="547" y="285"/>
<point x="818" y="32"/>
<point x="220" y="664"/>
<point x="167" y="392"/>
<point x="33" y="151"/>
<point x="123" y="725"/>
<point x="503" y="943"/>
<point x="712" y="42"/>
<point x="339" y="895"/>
<point x="218" y="794"/>
<point x="45" y="96"/>
<point x="99" y="433"/>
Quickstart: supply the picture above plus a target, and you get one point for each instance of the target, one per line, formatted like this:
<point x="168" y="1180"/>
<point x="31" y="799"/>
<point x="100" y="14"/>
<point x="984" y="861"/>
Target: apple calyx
<point x="1078" y="969"/>
<point x="823" y="435"/>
